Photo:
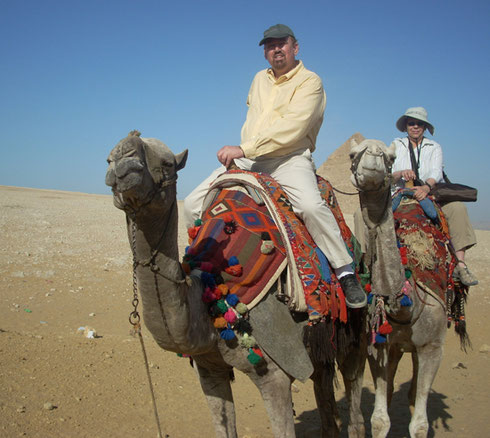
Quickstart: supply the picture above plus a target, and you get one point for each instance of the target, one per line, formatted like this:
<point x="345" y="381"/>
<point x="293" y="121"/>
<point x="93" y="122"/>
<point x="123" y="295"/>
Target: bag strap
<point x="444" y="176"/>
<point x="415" y="165"/>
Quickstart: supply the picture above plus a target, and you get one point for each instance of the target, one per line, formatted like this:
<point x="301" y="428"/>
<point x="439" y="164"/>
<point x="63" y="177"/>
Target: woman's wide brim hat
<point x="418" y="113"/>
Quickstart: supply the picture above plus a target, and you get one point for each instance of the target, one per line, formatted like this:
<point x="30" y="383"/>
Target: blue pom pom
<point x="370" y="298"/>
<point x="208" y="279"/>
<point x="227" y="334"/>
<point x="406" y="301"/>
<point x="380" y="339"/>
<point x="233" y="260"/>
<point x="232" y="299"/>
<point x="186" y="249"/>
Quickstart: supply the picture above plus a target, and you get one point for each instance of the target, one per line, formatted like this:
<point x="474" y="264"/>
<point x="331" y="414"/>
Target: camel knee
<point x="418" y="429"/>
<point x="380" y="425"/>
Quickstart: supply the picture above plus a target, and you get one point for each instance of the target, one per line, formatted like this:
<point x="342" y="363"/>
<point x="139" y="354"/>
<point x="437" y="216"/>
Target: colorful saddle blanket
<point x="248" y="237"/>
<point x="422" y="229"/>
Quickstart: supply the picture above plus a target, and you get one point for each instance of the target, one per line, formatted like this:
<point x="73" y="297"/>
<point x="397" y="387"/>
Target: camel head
<point x="371" y="164"/>
<point x="141" y="170"/>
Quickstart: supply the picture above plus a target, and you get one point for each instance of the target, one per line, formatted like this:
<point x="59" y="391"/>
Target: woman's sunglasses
<point x="416" y="123"/>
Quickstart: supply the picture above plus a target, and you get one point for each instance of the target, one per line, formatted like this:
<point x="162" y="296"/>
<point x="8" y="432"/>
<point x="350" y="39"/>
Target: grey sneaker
<point x="355" y="297"/>
<point x="464" y="275"/>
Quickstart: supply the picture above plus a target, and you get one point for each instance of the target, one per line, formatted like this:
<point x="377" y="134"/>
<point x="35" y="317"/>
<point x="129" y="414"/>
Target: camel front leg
<point x="325" y="399"/>
<point x="380" y="420"/>
<point x="216" y="386"/>
<point x="394" y="356"/>
<point x="429" y="359"/>
<point x="275" y="387"/>
<point x="352" y="369"/>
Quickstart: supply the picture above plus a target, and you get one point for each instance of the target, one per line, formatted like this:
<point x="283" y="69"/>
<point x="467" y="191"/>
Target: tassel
<point x="406" y="301"/>
<point x="206" y="266"/>
<point x="380" y="339"/>
<point x="247" y="341"/>
<point x="220" y="322"/>
<point x="221" y="305"/>
<point x="230" y="316"/>
<point x="242" y="327"/>
<point x="235" y="270"/>
<point x="223" y="288"/>
<point x="227" y="334"/>
<point x="208" y="296"/>
<point x="267" y="246"/>
<point x="385" y="328"/>
<point x="254" y="358"/>
<point x="197" y="222"/>
<point x="232" y="261"/>
<point x="367" y="288"/>
<point x="370" y="298"/>
<point x="408" y="273"/>
<point x="208" y="279"/>
<point x="241" y="308"/>
<point x="232" y="299"/>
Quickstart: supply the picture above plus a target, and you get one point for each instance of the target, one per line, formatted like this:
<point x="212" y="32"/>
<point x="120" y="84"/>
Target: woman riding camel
<point x="425" y="158"/>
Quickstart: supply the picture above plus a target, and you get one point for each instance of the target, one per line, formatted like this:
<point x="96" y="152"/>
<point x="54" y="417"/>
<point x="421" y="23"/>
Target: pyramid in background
<point x="336" y="169"/>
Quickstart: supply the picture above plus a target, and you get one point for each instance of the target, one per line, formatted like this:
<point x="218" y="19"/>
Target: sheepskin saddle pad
<point x="422" y="228"/>
<point x="249" y="235"/>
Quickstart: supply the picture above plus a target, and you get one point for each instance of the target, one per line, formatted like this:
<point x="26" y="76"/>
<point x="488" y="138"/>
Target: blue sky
<point x="77" y="76"/>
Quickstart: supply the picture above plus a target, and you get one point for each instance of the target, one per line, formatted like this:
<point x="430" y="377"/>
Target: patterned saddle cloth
<point x="422" y="228"/>
<point x="249" y="235"/>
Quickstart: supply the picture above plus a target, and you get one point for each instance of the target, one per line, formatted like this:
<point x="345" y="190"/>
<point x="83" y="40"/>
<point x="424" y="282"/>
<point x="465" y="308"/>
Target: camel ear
<point x="392" y="151"/>
<point x="180" y="160"/>
<point x="353" y="143"/>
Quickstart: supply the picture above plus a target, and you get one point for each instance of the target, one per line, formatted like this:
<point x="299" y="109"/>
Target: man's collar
<point x="288" y="75"/>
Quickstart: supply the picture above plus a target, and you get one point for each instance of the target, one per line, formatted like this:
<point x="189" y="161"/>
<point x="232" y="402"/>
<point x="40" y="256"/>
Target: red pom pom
<point x="235" y="270"/>
<point x="192" y="232"/>
<point x="385" y="328"/>
<point x="367" y="288"/>
<point x="257" y="351"/>
<point x="228" y="218"/>
<point x="206" y="266"/>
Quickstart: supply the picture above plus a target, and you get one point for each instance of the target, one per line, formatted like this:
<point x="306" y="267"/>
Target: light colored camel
<point x="419" y="329"/>
<point x="142" y="174"/>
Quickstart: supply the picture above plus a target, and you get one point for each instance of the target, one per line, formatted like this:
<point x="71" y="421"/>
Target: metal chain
<point x="134" y="319"/>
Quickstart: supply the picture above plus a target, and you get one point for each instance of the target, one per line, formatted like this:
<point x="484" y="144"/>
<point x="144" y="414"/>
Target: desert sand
<point x="65" y="266"/>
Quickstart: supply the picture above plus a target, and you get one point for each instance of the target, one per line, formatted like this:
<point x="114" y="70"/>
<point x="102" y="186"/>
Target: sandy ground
<point x="65" y="264"/>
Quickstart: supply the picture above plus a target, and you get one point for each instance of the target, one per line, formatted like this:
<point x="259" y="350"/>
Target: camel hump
<point x="134" y="133"/>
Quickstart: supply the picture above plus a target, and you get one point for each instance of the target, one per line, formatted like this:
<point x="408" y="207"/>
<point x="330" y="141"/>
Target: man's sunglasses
<point x="416" y="122"/>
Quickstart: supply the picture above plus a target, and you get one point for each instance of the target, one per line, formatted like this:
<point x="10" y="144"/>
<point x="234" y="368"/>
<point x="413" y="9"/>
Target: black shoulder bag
<point x="444" y="192"/>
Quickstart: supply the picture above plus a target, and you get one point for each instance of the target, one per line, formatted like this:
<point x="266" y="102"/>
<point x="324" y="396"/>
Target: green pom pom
<point x="408" y="273"/>
<point x="197" y="222"/>
<point x="254" y="358"/>
<point x="222" y="307"/>
<point x="247" y="341"/>
<point x="241" y="308"/>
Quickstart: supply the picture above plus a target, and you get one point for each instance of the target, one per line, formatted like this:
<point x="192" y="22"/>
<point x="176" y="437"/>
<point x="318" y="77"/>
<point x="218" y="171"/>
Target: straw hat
<point x="418" y="113"/>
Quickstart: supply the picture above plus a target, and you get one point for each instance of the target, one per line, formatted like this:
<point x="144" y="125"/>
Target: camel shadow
<point x="309" y="426"/>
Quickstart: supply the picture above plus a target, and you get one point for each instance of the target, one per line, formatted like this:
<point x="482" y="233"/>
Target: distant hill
<point x="336" y="169"/>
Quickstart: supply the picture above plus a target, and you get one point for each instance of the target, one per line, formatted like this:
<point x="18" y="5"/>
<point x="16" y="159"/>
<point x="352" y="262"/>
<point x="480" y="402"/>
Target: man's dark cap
<point x="277" y="31"/>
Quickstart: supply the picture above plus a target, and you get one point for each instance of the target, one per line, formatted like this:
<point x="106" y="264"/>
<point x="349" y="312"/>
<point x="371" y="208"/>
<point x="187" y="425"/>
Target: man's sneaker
<point x="355" y="297"/>
<point x="464" y="275"/>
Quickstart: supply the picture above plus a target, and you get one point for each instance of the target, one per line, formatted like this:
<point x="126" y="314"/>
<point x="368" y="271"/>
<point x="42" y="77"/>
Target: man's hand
<point x="227" y="154"/>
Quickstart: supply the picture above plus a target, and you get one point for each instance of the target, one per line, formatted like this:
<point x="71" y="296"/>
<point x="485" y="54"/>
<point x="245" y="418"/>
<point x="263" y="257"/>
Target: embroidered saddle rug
<point x="250" y="234"/>
<point x="422" y="229"/>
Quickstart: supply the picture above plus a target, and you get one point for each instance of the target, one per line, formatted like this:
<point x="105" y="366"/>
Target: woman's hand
<point x="408" y="175"/>
<point x="421" y="192"/>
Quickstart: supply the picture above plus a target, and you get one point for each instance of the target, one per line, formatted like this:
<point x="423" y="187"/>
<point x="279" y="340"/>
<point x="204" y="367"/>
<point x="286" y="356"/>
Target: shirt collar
<point x="425" y="142"/>
<point x="285" y="77"/>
